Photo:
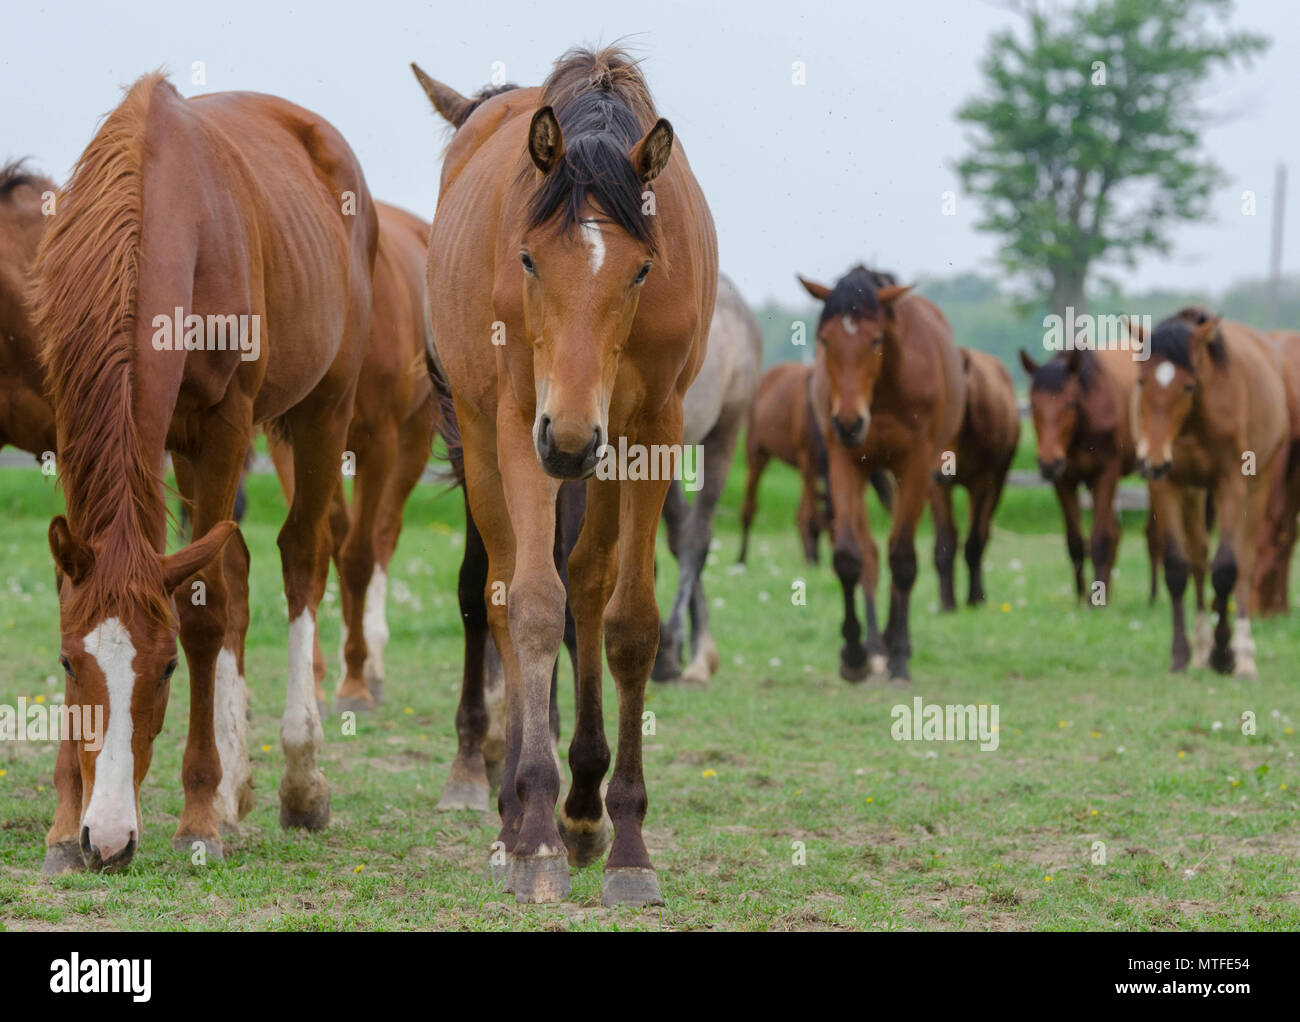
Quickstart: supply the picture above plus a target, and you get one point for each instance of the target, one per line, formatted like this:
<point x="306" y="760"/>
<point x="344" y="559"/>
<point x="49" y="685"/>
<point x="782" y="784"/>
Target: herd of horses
<point x="565" y="301"/>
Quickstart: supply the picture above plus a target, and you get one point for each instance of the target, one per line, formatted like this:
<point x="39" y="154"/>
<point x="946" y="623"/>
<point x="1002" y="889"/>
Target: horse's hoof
<point x="1246" y="669"/>
<point x="342" y="704"/>
<point x="376" y="686"/>
<point x="538" y="879"/>
<point x="585" y="840"/>
<point x="634" y="886"/>
<point x="465" y="794"/>
<point x="878" y="664"/>
<point x="665" y="669"/>
<point x="314" y="816"/>
<point x="1222" y="660"/>
<point x="854" y="668"/>
<point x="65" y="857"/>
<point x="194" y="844"/>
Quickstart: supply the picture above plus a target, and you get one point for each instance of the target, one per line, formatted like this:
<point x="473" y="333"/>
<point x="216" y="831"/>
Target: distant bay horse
<point x="716" y="405"/>
<point x="1278" y="534"/>
<point x="543" y="241"/>
<point x="394" y="420"/>
<point x="26" y="415"/>
<point x="226" y="205"/>
<point x="1081" y="402"/>
<point x="890" y="394"/>
<point x="980" y="460"/>
<point x="1210" y="416"/>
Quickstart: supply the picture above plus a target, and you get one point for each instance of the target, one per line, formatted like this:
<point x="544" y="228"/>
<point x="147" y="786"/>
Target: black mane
<point x="1172" y="339"/>
<point x="1052" y="375"/>
<point x="600" y="101"/>
<point x="854" y="294"/>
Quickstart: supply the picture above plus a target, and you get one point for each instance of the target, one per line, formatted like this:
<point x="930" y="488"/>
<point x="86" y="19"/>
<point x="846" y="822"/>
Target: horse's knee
<point x="631" y="638"/>
<point x="1101" y="548"/>
<point x="902" y="565"/>
<point x="1223" y="573"/>
<point x="1075" y="544"/>
<point x="1176" y="570"/>
<point x="535" y="611"/>
<point x="847" y="561"/>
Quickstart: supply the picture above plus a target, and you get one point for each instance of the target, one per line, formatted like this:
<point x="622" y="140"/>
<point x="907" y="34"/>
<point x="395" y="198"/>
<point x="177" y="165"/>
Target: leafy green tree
<point x="1086" y="147"/>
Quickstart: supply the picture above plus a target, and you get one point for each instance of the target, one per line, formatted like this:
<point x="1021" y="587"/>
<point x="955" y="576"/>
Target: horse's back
<point x="991" y="412"/>
<point x="728" y="376"/>
<point x="933" y="376"/>
<point x="394" y="378"/>
<point x="1286" y="346"/>
<point x="778" y="418"/>
<point x="1261" y="389"/>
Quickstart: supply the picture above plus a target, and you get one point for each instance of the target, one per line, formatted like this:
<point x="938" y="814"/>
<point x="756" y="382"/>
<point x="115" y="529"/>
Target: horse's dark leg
<point x="1105" y="531"/>
<point x="570" y="505"/>
<point x="1165" y="505"/>
<point x="1153" y="553"/>
<point x="1196" y="547"/>
<point x="757" y="459"/>
<point x="913" y="485"/>
<point x="1068" y="494"/>
<point x="945" y="542"/>
<point x="583" y="823"/>
<point x="467" y="785"/>
<point x="672" y="632"/>
<point x="985" y="492"/>
<point x="711" y="477"/>
<point x="847" y="556"/>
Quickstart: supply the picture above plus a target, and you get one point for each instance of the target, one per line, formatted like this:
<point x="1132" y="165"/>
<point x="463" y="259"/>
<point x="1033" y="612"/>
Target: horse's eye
<point x="67" y="667"/>
<point x="527" y="260"/>
<point x="171" y="667"/>
<point x="1188" y="388"/>
<point x="641" y="276"/>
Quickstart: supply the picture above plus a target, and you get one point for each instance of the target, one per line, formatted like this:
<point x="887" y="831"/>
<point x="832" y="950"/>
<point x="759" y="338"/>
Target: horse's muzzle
<point x="853" y="434"/>
<point x="1152" y="472"/>
<point x="567" y="464"/>
<point x="117" y="859"/>
<point x="1052" y="470"/>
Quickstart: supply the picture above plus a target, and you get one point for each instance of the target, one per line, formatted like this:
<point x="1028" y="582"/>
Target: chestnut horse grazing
<point x="1081" y="402"/>
<point x="716" y="405"/>
<point x="890" y="393"/>
<point x="782" y="426"/>
<point x="1210" y="415"/>
<point x="1278" y="534"/>
<point x="26" y="417"/>
<point x="571" y="281"/>
<point x="208" y="270"/>
<point x="985" y="447"/>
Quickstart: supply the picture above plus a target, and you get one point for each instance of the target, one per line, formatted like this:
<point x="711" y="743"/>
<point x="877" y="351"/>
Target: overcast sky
<point x="809" y="179"/>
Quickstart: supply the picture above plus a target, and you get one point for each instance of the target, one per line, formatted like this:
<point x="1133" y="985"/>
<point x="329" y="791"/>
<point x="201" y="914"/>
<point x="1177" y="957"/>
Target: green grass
<point x="1097" y="743"/>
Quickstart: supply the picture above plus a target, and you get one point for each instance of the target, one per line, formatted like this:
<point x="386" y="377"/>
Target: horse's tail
<point x="448" y="427"/>
<point x="455" y="108"/>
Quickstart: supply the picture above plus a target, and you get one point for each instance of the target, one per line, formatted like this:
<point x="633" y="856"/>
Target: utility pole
<point x="1275" y="253"/>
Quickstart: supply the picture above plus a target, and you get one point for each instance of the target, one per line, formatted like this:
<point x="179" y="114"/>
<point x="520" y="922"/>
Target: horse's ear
<point x="185" y="562"/>
<point x="819" y="291"/>
<point x="890" y="294"/>
<point x="545" y="140"/>
<point x="1027" y="361"/>
<point x="1073" y="361"/>
<point x="72" y="557"/>
<point x="649" y="157"/>
<point x="1205" y="334"/>
<point x="1135" y="328"/>
<point x="454" y="107"/>
<point x="965" y="360"/>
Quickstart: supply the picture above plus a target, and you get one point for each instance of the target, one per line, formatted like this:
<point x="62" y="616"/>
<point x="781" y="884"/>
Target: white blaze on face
<point x="850" y="326"/>
<point x="596" y="243"/>
<point x="1165" y="372"/>
<point x="111" y="814"/>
